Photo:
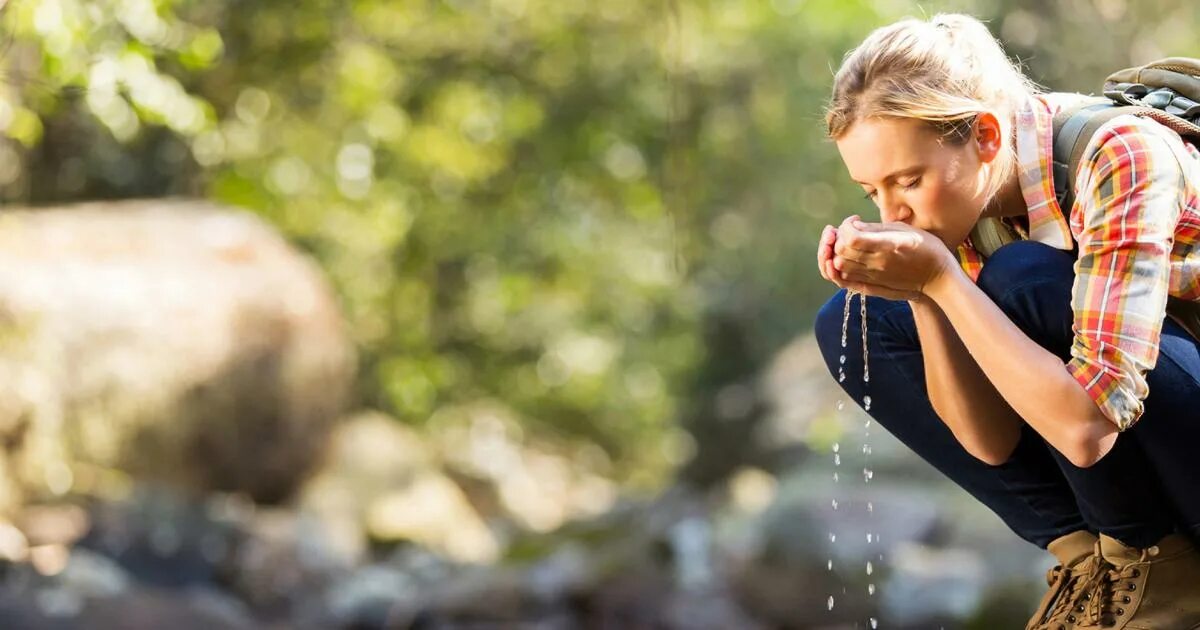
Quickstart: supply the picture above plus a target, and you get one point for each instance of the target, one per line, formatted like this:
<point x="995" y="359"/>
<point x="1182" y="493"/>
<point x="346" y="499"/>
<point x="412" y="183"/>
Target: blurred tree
<point x="601" y="214"/>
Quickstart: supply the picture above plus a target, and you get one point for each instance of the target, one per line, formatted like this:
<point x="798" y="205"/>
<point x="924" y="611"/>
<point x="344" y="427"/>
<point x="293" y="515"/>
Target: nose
<point x="892" y="208"/>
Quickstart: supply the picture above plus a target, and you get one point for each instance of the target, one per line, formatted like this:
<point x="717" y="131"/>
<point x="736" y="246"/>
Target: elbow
<point x="1091" y="442"/>
<point x="1083" y="456"/>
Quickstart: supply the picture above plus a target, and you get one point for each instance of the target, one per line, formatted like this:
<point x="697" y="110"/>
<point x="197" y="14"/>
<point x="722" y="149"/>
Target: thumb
<point x="863" y="226"/>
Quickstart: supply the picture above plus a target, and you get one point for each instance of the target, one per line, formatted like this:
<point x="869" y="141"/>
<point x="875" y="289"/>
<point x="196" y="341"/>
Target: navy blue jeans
<point x="1146" y="487"/>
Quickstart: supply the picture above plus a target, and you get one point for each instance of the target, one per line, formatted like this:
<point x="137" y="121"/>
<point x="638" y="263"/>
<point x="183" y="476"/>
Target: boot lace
<point x="1062" y="581"/>
<point x="1077" y="587"/>
<point x="1113" y="588"/>
<point x="1083" y="596"/>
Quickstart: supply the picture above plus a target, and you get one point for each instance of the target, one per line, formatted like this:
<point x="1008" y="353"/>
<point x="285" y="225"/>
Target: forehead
<point x="876" y="147"/>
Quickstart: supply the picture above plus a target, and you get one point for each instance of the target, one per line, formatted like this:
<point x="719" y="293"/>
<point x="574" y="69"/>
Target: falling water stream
<point x="868" y="474"/>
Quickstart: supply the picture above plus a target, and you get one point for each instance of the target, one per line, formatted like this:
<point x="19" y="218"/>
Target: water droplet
<point x="841" y="404"/>
<point x="870" y="589"/>
<point x="866" y="377"/>
<point x="874" y="623"/>
<point x="832" y="537"/>
<point x="841" y="376"/>
<point x="837" y="459"/>
<point x="867" y="424"/>
<point x="829" y="565"/>
<point x="835" y="477"/>
<point x="829" y="603"/>
<point x="836" y="447"/>
<point x="870" y="506"/>
<point x="870" y="568"/>
<point x="842" y="359"/>
<point x="868" y="538"/>
<point x="834" y="502"/>
<point x="867" y="403"/>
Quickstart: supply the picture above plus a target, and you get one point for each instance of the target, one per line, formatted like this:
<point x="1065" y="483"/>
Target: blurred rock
<point x="14" y="547"/>
<point x="89" y="574"/>
<point x="375" y="596"/>
<point x="381" y="482"/>
<point x="432" y="511"/>
<point x="511" y="478"/>
<point x="50" y="607"/>
<point x="61" y="524"/>
<point x="174" y="340"/>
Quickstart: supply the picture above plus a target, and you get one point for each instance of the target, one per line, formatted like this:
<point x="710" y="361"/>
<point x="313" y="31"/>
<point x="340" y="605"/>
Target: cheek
<point x="934" y="201"/>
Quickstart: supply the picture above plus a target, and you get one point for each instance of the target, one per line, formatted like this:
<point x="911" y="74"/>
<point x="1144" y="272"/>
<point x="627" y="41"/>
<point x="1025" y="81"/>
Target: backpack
<point x="1167" y="91"/>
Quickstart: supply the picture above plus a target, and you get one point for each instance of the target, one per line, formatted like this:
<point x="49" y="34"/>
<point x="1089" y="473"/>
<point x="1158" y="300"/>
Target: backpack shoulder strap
<point x="1073" y="128"/>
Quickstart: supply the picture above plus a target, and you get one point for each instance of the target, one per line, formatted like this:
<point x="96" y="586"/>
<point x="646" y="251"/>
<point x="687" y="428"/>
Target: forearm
<point x="960" y="392"/>
<point x="1031" y="379"/>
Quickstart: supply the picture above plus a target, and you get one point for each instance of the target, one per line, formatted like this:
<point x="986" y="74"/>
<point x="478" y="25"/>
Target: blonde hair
<point x="945" y="71"/>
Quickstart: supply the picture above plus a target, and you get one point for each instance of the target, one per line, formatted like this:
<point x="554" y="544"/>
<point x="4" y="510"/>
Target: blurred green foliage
<point x="567" y="206"/>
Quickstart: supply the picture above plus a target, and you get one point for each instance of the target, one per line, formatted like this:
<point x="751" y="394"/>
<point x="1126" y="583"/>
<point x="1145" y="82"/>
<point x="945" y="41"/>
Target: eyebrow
<point x="900" y="173"/>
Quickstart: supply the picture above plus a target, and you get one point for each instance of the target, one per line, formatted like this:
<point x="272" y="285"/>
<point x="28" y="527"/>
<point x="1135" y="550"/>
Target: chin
<point x="951" y="241"/>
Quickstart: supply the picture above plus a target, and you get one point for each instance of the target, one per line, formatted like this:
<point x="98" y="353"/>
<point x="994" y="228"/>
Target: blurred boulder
<point x="171" y="340"/>
<point x="382" y="482"/>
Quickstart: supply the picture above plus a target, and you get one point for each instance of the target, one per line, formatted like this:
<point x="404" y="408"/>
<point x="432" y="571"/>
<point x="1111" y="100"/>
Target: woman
<point x="1047" y="379"/>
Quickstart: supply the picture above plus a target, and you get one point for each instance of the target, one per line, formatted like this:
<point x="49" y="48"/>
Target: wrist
<point x="944" y="281"/>
<point x="922" y="301"/>
<point x="939" y="288"/>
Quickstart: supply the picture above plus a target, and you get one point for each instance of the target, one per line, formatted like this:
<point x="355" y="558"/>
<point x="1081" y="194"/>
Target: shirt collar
<point x="1035" y="157"/>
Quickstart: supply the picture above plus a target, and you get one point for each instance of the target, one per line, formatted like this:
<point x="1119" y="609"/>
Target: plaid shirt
<point x="1136" y="220"/>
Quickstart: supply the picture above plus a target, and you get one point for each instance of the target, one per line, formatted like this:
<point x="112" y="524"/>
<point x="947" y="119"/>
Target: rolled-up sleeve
<point x="1130" y="186"/>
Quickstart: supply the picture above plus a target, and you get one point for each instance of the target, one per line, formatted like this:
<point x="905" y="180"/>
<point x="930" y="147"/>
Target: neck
<point x="1009" y="201"/>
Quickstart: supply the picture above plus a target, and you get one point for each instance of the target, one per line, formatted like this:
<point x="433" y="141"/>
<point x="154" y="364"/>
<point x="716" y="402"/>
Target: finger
<point x="858" y="257"/>
<point x="852" y="263"/>
<point x="832" y="271"/>
<point x="824" y="245"/>
<point x="852" y="239"/>
<point x="834" y="277"/>
<point x="863" y="226"/>
<point x="857" y="275"/>
<point x="854" y="270"/>
<point x="825" y="252"/>
<point x="831" y="274"/>
<point x="876" y="290"/>
<point x="868" y="243"/>
<point x="842" y="244"/>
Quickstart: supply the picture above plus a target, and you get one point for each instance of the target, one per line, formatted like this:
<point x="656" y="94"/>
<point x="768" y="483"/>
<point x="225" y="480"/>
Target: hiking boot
<point x="1157" y="588"/>
<point x="1076" y="553"/>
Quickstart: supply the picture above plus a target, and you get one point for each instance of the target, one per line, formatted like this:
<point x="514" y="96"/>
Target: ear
<point x="988" y="137"/>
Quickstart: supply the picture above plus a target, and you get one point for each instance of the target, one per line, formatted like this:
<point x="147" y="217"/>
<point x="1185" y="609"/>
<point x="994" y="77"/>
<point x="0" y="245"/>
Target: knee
<point x="1021" y="262"/>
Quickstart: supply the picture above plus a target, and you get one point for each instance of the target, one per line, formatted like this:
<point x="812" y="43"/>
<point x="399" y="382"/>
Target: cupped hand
<point x="902" y="258"/>
<point x="827" y="256"/>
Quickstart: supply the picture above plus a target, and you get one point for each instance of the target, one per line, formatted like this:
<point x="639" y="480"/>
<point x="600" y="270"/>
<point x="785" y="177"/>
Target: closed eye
<point x="909" y="186"/>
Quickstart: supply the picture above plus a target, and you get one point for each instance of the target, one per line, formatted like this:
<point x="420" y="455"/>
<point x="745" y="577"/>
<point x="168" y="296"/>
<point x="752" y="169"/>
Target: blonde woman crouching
<point x="1046" y="379"/>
